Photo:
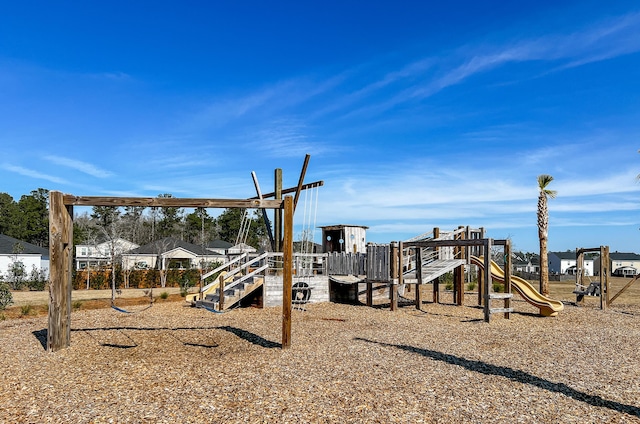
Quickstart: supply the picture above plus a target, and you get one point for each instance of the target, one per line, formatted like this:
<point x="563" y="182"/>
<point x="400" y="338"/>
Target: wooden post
<point x="418" y="277"/>
<point x="604" y="277"/>
<point x="507" y="276"/>
<point x="277" y="213"/>
<point x="487" y="280"/>
<point x="287" y="276"/>
<point x="221" y="291"/>
<point x="400" y="271"/>
<point x="60" y="269"/>
<point x="393" y="287"/>
<point x="458" y="274"/>
<point x="436" y="282"/>
<point x="580" y="273"/>
<point x="480" y="286"/>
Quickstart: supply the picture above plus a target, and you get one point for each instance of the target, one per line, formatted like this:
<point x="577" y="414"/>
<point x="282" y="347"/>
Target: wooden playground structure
<point x="600" y="288"/>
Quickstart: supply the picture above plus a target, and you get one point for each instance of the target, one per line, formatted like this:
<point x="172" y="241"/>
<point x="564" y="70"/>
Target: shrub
<point x="6" y="298"/>
<point x="448" y="285"/>
<point x="37" y="279"/>
<point x="76" y="305"/>
<point x="26" y="309"/>
<point x="471" y="286"/>
<point x="2" y="317"/>
<point x="164" y="295"/>
<point x="497" y="287"/>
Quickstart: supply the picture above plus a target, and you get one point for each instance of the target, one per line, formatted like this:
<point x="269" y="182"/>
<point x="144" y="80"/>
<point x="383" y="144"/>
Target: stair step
<point x="500" y="295"/>
<point x="500" y="310"/>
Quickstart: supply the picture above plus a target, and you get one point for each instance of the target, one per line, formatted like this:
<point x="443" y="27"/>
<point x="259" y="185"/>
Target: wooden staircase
<point x="239" y="288"/>
<point x="234" y="292"/>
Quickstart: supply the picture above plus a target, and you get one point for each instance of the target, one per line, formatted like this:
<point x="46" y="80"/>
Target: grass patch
<point x="164" y="295"/>
<point x="26" y="310"/>
<point x="76" y="305"/>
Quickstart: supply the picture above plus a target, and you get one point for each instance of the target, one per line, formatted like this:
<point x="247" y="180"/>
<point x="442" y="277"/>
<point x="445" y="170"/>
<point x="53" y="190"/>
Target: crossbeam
<point x="71" y="200"/>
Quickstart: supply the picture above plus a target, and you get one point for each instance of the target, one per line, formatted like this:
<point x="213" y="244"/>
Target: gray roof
<point x="167" y="244"/>
<point x="219" y="244"/>
<point x="7" y="243"/>
<point x="564" y="255"/>
<point x="620" y="256"/>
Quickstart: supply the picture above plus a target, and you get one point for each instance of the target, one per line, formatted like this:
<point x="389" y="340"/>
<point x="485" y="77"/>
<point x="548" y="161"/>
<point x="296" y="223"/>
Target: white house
<point x="565" y="263"/>
<point x="31" y="256"/>
<point x="624" y="264"/>
<point x="169" y="253"/>
<point x="95" y="255"/>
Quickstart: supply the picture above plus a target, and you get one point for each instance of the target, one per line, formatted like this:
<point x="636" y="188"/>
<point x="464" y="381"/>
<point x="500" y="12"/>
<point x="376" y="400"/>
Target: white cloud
<point x="33" y="174"/>
<point x="84" y="167"/>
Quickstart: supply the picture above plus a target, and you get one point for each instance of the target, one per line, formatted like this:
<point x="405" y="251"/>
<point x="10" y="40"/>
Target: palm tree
<point x="543" y="229"/>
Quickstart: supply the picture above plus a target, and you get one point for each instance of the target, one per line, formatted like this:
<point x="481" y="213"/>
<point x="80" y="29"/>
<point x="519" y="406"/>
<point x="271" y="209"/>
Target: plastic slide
<point x="548" y="307"/>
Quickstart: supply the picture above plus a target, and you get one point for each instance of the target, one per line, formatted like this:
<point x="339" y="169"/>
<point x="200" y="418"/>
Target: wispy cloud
<point x="81" y="166"/>
<point x="33" y="174"/>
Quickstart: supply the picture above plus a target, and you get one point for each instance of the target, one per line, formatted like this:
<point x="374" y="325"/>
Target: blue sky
<point x="416" y="115"/>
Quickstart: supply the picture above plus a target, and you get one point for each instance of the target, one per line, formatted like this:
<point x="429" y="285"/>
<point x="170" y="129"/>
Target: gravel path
<point x="347" y="364"/>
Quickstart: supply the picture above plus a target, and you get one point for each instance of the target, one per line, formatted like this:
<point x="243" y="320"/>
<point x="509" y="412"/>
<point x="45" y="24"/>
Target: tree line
<point x="28" y="220"/>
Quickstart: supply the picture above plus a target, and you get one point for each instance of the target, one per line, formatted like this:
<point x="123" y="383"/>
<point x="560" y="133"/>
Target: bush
<point x="471" y="286"/>
<point x="37" y="279"/>
<point x="6" y="298"/>
<point x="164" y="295"/>
<point x="497" y="287"/>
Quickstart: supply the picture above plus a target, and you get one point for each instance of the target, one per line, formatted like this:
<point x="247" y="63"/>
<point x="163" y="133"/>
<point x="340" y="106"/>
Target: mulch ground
<point x="440" y="364"/>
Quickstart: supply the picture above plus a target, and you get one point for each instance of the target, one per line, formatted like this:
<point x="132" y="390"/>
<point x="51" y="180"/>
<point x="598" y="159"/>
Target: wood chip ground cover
<point x="347" y="364"/>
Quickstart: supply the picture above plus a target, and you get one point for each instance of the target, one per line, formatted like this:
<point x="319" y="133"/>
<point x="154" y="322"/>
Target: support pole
<point x="287" y="275"/>
<point x="436" y="281"/>
<point x="487" y="280"/>
<point x="221" y="291"/>
<point x="60" y="271"/>
<point x="507" y="277"/>
<point x="580" y="274"/>
<point x="604" y="277"/>
<point x="418" y="277"/>
<point x="393" y="287"/>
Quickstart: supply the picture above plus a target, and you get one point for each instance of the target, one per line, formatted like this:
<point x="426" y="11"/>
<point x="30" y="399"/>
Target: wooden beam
<point x="291" y="190"/>
<point x="171" y="202"/>
<point x="277" y="214"/>
<point x="265" y="216"/>
<point x="300" y="181"/>
<point x="459" y="242"/>
<point x="287" y="272"/>
<point x="60" y="271"/>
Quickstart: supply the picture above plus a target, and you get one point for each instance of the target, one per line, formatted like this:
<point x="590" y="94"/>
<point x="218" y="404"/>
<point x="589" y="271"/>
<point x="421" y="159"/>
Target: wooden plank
<point x="452" y="243"/>
<point x="171" y="202"/>
<point x="622" y="290"/>
<point x="60" y="269"/>
<point x="300" y="181"/>
<point x="287" y="277"/>
<point x="393" y="288"/>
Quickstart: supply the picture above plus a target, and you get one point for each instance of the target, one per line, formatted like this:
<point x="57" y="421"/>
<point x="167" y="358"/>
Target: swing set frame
<point x="61" y="251"/>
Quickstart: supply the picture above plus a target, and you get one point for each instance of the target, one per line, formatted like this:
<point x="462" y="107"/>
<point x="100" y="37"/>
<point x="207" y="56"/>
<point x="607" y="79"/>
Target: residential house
<point x="169" y="253"/>
<point x="522" y="264"/>
<point x="623" y="264"/>
<point x="219" y="247"/>
<point x="31" y="256"/>
<point x="565" y="263"/>
<point x="98" y="255"/>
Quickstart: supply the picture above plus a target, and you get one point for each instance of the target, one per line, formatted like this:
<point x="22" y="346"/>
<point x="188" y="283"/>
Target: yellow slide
<point x="209" y="288"/>
<point x="548" y="307"/>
